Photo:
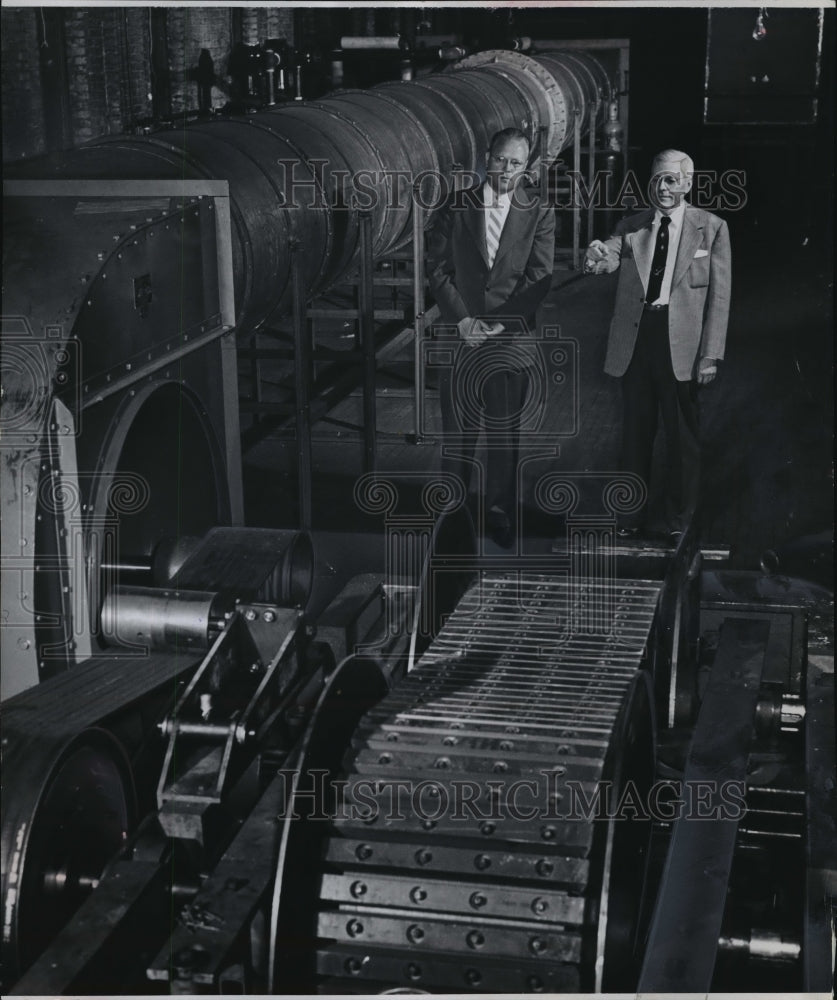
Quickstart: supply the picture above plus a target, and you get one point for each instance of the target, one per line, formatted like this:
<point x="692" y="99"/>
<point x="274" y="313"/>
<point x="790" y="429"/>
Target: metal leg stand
<point x="576" y="204"/>
<point x="366" y="326"/>
<point x="591" y="166"/>
<point x="302" y="385"/>
<point x="419" y="319"/>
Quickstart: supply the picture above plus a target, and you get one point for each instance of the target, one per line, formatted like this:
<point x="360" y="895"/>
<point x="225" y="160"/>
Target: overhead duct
<point x="303" y="172"/>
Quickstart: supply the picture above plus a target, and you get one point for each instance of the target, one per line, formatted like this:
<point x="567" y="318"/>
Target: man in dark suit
<point x="668" y="330"/>
<point x="490" y="260"/>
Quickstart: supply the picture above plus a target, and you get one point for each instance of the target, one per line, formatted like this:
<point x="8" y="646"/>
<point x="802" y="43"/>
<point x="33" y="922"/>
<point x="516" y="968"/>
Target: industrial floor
<point x="767" y="426"/>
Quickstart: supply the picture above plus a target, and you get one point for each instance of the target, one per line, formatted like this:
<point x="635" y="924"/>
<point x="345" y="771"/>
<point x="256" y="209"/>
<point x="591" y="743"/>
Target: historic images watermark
<point x="541" y="796"/>
<point x="315" y="184"/>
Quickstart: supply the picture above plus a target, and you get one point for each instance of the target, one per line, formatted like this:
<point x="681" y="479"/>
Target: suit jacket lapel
<point x="642" y="245"/>
<point x="689" y="240"/>
<point x="475" y="221"/>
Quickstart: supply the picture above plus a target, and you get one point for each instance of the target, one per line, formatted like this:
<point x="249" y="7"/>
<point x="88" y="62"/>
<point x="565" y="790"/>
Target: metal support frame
<point x="591" y="165"/>
<point x="302" y="386"/>
<point x="366" y="334"/>
<point x="419" y="320"/>
<point x="576" y="206"/>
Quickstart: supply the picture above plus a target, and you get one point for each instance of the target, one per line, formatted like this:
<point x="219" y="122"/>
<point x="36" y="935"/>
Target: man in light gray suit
<point x="668" y="330"/>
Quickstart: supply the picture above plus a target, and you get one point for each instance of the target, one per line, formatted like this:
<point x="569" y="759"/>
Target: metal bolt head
<point x="415" y="933"/>
<point x="478" y="900"/>
<point x="475" y="939"/>
<point x="354" y="928"/>
<point x="363" y="852"/>
<point x="539" y="905"/>
<point x="269" y="616"/>
<point x="418" y="894"/>
<point x="250" y="615"/>
<point x="537" y="945"/>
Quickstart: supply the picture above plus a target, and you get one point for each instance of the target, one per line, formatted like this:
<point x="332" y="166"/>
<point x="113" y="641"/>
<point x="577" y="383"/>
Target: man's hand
<point x="707" y="370"/>
<point x="475" y="331"/>
<point x="595" y="259"/>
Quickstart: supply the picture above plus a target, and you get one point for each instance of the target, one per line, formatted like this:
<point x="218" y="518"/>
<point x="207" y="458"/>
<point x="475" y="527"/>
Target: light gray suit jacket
<point x="700" y="290"/>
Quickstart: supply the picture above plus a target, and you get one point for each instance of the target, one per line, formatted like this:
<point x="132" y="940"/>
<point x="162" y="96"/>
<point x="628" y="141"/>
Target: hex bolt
<point x="250" y="615"/>
<point x="475" y="939"/>
<point x="544" y="867"/>
<point x="358" y="889"/>
<point x="539" y="905"/>
<point x="354" y="928"/>
<point x="363" y="852"/>
<point x="478" y="900"/>
<point x="417" y="894"/>
<point x="415" y="934"/>
<point x="423" y="856"/>
<point x="269" y="616"/>
<point x="482" y="862"/>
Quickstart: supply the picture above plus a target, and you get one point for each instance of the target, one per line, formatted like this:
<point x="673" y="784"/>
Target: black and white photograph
<point x="417" y="442"/>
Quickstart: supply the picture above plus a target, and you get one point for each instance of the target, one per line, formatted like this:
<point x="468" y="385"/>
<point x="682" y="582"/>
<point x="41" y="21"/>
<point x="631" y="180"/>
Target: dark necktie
<point x="658" y="262"/>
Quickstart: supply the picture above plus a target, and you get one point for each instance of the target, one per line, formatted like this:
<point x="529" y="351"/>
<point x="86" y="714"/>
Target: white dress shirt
<point x="675" y="230"/>
<point x="501" y="202"/>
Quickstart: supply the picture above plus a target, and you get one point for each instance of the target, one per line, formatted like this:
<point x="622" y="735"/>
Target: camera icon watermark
<point x="549" y="361"/>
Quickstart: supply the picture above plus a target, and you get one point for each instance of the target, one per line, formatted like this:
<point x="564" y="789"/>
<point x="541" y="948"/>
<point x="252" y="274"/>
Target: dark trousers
<point x="651" y="394"/>
<point x="491" y="396"/>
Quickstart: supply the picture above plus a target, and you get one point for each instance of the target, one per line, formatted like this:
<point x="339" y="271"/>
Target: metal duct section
<point x="304" y="171"/>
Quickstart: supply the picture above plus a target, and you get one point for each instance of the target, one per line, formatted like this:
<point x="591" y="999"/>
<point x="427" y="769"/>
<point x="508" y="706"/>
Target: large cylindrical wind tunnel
<point x="304" y="171"/>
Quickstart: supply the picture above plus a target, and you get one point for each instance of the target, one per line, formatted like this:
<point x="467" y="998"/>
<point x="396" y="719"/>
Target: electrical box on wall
<point x="763" y="66"/>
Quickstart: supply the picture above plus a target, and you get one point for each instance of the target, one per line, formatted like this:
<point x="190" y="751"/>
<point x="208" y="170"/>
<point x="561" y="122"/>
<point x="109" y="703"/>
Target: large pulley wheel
<point x="67" y="818"/>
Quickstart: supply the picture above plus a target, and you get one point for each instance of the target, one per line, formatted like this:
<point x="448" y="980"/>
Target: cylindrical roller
<point x="251" y="564"/>
<point x="159" y="619"/>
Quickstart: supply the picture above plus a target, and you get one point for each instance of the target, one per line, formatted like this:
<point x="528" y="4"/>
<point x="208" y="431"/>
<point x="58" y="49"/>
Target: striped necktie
<point x="493" y="231"/>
